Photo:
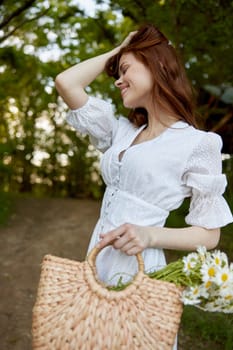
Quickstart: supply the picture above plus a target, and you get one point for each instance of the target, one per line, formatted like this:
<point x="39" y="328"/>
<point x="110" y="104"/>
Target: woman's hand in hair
<point x="127" y="40"/>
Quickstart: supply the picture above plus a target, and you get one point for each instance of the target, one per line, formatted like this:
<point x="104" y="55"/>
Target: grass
<point x="207" y="328"/>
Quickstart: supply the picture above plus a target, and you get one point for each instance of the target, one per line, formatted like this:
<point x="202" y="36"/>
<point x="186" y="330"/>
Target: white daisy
<point x="223" y="276"/>
<point x="231" y="267"/>
<point x="190" y="262"/>
<point x="202" y="252"/>
<point x="226" y="292"/>
<point x="192" y="295"/>
<point x="208" y="272"/>
<point x="211" y="306"/>
<point x="219" y="258"/>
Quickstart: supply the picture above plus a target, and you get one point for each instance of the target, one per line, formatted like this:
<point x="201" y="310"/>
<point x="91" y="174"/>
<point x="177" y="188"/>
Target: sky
<point x="90" y="6"/>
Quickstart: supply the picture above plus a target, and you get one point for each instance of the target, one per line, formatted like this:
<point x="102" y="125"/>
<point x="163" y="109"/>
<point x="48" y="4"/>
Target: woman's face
<point x="135" y="82"/>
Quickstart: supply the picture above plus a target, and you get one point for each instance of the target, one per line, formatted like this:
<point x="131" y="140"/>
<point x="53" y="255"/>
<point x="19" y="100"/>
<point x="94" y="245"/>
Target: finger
<point x="124" y="247"/>
<point x="134" y="251"/>
<point x="131" y="34"/>
<point x="110" y="237"/>
<point x="128" y="38"/>
<point x="133" y="248"/>
<point x="123" y="240"/>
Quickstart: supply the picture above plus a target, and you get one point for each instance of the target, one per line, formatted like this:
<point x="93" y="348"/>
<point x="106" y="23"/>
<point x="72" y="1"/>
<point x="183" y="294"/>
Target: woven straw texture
<point x="75" y="311"/>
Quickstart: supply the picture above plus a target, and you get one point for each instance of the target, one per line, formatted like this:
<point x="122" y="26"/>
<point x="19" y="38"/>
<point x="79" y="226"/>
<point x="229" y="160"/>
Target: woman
<point x="151" y="160"/>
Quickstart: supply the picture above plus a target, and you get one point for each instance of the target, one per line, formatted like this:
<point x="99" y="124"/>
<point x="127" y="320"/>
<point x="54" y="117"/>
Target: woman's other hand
<point x="130" y="239"/>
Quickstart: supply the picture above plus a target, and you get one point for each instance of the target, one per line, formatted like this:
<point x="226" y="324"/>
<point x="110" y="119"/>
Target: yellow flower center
<point x="208" y="284"/>
<point x="224" y="277"/>
<point x="217" y="260"/>
<point x="211" y="272"/>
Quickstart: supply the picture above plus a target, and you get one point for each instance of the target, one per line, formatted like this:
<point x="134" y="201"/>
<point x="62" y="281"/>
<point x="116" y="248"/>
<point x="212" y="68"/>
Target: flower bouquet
<point x="207" y="278"/>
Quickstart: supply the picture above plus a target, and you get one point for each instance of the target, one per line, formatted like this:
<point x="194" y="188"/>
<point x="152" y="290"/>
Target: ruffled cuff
<point x="209" y="211"/>
<point x="208" y="207"/>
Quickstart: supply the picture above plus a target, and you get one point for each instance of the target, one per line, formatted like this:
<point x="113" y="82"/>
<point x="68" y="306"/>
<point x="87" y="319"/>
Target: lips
<point x="124" y="90"/>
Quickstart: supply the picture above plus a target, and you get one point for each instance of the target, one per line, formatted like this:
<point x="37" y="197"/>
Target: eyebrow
<point x="121" y="66"/>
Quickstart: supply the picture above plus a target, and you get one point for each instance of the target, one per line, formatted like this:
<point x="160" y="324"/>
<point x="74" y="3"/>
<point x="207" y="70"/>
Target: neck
<point x="158" y="118"/>
<point x="158" y="123"/>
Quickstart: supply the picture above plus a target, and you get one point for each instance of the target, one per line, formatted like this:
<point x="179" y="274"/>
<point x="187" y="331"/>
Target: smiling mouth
<point x="124" y="90"/>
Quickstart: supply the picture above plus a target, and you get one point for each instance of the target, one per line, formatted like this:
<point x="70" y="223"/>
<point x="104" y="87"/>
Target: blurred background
<point x="42" y="157"/>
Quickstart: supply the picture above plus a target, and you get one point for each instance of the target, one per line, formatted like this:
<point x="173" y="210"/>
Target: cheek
<point x="150" y="81"/>
<point x="145" y="84"/>
<point x="145" y="79"/>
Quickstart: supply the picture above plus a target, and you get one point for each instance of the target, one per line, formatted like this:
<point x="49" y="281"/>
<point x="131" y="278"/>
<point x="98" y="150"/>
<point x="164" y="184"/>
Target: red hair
<point x="172" y="90"/>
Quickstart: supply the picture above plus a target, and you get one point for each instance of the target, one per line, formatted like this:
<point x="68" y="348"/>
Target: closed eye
<point x="123" y="69"/>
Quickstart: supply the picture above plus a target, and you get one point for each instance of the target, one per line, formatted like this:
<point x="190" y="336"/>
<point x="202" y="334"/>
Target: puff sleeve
<point x="95" y="119"/>
<point x="204" y="177"/>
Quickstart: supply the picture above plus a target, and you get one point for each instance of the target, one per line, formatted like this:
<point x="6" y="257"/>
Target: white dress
<point x="151" y="179"/>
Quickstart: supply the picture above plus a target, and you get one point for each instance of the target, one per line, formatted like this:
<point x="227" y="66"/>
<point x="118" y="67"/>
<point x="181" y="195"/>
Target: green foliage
<point x="6" y="207"/>
<point x="201" y="31"/>
<point x="38" y="39"/>
<point x="28" y="100"/>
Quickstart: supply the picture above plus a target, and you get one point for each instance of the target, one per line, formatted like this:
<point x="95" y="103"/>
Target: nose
<point x="118" y="82"/>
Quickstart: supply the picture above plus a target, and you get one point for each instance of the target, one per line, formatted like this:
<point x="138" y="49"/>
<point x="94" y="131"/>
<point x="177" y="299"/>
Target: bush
<point x="6" y="207"/>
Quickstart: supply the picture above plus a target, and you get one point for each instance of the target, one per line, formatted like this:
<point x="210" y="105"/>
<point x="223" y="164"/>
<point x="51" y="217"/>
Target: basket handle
<point x="91" y="258"/>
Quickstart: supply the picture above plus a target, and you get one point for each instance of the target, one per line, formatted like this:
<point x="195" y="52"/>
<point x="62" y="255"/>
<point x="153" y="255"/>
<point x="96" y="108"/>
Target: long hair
<point x="172" y="91"/>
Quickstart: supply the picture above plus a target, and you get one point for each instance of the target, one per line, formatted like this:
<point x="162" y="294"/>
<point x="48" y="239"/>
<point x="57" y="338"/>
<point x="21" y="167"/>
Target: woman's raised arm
<point x="71" y="83"/>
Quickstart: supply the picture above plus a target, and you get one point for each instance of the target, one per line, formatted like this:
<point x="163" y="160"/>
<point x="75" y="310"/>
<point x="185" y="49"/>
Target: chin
<point x="132" y="104"/>
<point x="128" y="104"/>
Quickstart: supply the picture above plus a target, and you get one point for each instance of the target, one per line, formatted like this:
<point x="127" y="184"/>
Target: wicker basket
<point x="75" y="311"/>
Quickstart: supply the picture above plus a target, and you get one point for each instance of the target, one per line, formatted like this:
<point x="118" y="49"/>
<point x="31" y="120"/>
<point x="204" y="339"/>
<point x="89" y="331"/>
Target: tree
<point x="28" y="99"/>
<point x="38" y="39"/>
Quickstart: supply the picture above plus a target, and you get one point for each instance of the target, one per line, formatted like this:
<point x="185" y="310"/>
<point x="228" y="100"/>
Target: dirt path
<point x="39" y="226"/>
